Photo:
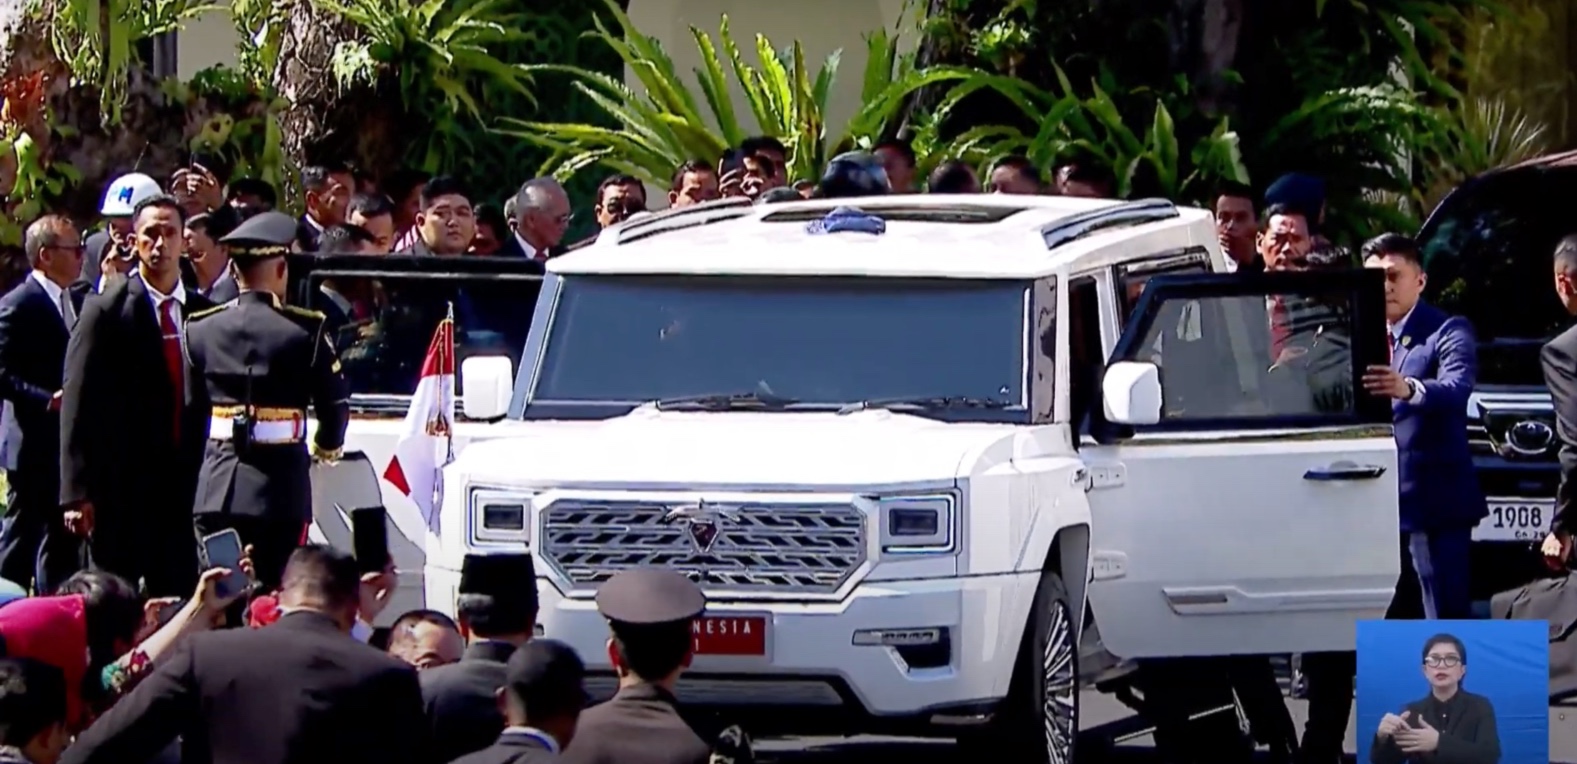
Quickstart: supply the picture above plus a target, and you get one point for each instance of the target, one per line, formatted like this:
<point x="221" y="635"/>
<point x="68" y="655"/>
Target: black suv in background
<point x="1488" y="249"/>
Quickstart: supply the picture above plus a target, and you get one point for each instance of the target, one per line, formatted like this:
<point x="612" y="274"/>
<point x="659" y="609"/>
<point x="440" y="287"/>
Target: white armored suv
<point x="913" y="464"/>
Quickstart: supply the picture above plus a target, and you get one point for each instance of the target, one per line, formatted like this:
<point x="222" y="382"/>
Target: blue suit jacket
<point x="1439" y="488"/>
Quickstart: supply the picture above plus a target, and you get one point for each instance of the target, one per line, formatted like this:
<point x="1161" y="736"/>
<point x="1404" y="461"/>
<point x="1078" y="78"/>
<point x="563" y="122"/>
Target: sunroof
<point x="906" y="213"/>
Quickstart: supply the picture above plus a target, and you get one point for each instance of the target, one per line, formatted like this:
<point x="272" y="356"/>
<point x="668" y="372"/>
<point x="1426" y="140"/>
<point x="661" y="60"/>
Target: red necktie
<point x="174" y="359"/>
<point x="1390" y="346"/>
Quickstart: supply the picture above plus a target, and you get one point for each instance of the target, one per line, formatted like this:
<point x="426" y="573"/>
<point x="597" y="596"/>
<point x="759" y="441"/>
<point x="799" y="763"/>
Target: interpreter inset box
<point x="1469" y="692"/>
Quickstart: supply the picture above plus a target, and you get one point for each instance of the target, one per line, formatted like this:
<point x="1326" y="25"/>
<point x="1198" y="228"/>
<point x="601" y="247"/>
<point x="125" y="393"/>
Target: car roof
<point x="980" y="236"/>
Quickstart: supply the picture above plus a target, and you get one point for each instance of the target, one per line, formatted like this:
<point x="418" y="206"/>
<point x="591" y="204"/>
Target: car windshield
<point x="807" y="340"/>
<point x="1488" y="251"/>
<point x="383" y="322"/>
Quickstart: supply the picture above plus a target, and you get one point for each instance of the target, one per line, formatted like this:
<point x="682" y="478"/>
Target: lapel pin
<point x="1406" y="340"/>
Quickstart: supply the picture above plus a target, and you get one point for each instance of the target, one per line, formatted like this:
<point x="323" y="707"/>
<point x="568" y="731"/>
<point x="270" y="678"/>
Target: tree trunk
<point x="323" y="122"/>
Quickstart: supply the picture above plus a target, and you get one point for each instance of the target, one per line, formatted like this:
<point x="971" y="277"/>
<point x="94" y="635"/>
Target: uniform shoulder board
<point x="206" y="312"/>
<point x="301" y="312"/>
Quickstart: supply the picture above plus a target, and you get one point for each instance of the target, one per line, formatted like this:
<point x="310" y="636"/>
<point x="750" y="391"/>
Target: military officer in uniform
<point x="651" y="613"/>
<point x="260" y="364"/>
<point x="497" y="608"/>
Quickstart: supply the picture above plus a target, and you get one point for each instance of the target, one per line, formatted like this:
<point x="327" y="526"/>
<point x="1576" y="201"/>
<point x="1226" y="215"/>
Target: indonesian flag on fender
<point x="427" y="440"/>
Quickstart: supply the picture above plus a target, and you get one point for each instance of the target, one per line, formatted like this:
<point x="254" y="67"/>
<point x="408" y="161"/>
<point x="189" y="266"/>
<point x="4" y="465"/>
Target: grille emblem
<point x="1530" y="437"/>
<point x="701" y="522"/>
<point x="703" y="534"/>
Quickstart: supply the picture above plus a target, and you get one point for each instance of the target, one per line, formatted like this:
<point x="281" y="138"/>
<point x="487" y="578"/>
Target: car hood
<point x="654" y="447"/>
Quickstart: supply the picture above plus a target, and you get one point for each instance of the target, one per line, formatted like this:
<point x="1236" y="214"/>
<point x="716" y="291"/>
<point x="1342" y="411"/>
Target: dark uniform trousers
<point x="512" y="747"/>
<point x="461" y="700"/>
<point x="262" y="364"/>
<point x="638" y="725"/>
<point x="1330" y="675"/>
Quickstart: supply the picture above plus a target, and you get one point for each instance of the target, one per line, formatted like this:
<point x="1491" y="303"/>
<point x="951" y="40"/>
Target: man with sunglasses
<point x="36" y="318"/>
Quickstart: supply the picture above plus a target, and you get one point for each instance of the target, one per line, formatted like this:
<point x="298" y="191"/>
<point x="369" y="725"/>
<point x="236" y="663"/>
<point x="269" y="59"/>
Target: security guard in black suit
<point x="543" y="693"/>
<point x="260" y="363"/>
<point x="651" y="613"/>
<point x="497" y="609"/>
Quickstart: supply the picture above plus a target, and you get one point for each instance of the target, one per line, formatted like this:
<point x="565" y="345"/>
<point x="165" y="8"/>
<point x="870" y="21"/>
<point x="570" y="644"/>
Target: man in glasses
<point x="35" y="324"/>
<point x="1448" y="724"/>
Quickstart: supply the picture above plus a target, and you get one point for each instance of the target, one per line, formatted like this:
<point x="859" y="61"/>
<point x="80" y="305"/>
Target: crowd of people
<point x="120" y="647"/>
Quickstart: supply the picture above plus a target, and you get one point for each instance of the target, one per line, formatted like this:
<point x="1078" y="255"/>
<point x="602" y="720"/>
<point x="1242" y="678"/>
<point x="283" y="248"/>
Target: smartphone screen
<point x="370" y="538"/>
<point x="223" y="550"/>
<point x="168" y="611"/>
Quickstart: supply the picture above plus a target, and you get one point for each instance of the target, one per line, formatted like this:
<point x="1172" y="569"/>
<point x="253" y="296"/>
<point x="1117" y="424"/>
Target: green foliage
<point x="664" y="126"/>
<point x="1319" y="91"/>
<point x="1149" y="158"/>
<point x="242" y="122"/>
<point x="259" y="29"/>
<point x="39" y="183"/>
<point x="97" y="38"/>
<point x="435" y="54"/>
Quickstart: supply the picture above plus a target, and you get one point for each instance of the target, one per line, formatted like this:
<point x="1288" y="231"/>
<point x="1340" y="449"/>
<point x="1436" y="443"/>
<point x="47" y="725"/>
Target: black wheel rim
<point x="1059" y="699"/>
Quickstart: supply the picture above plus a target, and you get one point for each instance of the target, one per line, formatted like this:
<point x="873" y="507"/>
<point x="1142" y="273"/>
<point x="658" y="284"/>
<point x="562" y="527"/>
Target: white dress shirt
<point x="548" y="741"/>
<point x="158" y="305"/>
<point x="1395" y="334"/>
<point x="57" y="296"/>
<point x="531" y="252"/>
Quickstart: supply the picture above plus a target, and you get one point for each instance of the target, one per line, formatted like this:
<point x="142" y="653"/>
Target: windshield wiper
<point x="926" y="402"/>
<point x="726" y="401"/>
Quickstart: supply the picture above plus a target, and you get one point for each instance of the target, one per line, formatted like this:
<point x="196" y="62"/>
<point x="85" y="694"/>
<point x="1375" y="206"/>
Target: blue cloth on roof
<point x="847" y="219"/>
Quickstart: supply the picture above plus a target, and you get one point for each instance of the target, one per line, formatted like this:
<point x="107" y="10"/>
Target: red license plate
<point x="730" y="635"/>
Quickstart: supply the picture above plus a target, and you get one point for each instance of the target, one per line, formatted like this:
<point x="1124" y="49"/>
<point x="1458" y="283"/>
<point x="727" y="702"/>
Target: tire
<point x="1039" y="721"/>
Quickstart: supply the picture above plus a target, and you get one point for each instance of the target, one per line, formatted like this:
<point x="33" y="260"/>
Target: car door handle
<point x="1345" y="471"/>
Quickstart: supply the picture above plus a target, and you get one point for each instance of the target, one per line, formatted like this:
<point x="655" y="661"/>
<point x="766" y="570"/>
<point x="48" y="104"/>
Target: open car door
<point x="1243" y="486"/>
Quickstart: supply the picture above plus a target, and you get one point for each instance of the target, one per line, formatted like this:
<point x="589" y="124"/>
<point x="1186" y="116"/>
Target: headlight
<point x="922" y="524"/>
<point x="500" y="516"/>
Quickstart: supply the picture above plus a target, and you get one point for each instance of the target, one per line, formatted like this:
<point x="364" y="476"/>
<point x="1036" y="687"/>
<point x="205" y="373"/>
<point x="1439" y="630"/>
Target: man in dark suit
<point x="1559" y="359"/>
<point x="328" y="188"/>
<point x="257" y="366"/>
<point x="130" y="439"/>
<point x="299" y="690"/>
<point x="542" y="217"/>
<point x="543" y="693"/>
<point x="35" y="324"/>
<point x="651" y="613"/>
<point x="497" y="605"/>
<point x="1433" y="367"/>
<point x="1434" y="364"/>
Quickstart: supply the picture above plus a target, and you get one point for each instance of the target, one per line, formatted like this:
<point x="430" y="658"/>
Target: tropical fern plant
<point x="1151" y="156"/>
<point x="97" y="38"/>
<point x="431" y="51"/>
<point x="663" y="124"/>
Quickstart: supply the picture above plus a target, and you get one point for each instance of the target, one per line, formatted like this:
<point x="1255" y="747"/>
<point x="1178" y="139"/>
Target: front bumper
<point x="811" y="658"/>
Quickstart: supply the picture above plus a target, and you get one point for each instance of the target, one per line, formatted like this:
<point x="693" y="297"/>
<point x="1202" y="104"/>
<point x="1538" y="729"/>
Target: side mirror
<point x="488" y="384"/>
<point x="1131" y="393"/>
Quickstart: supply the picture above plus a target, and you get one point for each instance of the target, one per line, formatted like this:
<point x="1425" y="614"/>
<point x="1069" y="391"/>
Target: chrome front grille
<point x="753" y="548"/>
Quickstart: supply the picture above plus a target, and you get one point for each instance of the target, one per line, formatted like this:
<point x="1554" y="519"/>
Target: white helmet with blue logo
<point x="126" y="192"/>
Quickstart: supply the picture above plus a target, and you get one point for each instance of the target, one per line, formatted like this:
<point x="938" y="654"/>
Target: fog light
<point x="898" y="637"/>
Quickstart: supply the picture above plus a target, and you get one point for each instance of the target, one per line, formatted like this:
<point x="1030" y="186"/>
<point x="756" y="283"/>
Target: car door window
<point x="1131" y="277"/>
<point x="1261" y="350"/>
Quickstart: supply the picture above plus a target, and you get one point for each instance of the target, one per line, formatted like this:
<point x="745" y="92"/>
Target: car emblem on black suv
<point x="1530" y="437"/>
